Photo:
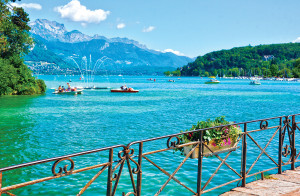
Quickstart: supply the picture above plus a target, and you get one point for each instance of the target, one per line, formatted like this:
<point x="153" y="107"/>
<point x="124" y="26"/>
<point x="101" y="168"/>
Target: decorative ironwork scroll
<point x="63" y="170"/>
<point x="173" y="144"/>
<point x="286" y="151"/>
<point x="264" y="124"/>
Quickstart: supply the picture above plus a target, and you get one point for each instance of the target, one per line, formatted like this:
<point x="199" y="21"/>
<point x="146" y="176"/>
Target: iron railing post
<point x="109" y="175"/>
<point x="244" y="162"/>
<point x="280" y="147"/>
<point x="139" y="175"/>
<point x="293" y="147"/>
<point x="0" y="183"/>
<point x="200" y="153"/>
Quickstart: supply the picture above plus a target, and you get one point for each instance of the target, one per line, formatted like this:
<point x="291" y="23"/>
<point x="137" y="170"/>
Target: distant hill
<point x="265" y="60"/>
<point x="56" y="48"/>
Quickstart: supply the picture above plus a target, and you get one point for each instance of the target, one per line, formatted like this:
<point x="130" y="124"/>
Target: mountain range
<point x="59" y="51"/>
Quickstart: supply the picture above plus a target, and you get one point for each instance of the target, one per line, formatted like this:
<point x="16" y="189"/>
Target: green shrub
<point x="41" y="86"/>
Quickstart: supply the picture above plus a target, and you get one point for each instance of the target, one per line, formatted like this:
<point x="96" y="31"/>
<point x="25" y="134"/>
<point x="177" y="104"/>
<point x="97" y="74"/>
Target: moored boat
<point x="69" y="91"/>
<point x="212" y="81"/>
<point x="76" y="92"/>
<point x="129" y="90"/>
<point x="255" y="82"/>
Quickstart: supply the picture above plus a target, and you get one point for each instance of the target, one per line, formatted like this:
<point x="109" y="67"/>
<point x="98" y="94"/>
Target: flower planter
<point x="231" y="146"/>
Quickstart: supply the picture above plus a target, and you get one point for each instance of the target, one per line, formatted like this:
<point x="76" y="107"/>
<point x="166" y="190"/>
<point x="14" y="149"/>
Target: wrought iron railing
<point x="286" y="131"/>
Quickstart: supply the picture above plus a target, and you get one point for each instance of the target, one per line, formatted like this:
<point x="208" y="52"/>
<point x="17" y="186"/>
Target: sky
<point x="184" y="27"/>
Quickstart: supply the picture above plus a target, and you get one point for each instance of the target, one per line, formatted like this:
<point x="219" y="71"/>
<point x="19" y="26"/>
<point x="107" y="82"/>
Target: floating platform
<point x="96" y="88"/>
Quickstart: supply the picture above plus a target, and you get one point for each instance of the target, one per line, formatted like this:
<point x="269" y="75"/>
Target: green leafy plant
<point x="222" y="136"/>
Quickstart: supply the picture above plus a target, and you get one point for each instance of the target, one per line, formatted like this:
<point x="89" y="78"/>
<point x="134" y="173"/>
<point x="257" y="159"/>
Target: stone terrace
<point x="287" y="184"/>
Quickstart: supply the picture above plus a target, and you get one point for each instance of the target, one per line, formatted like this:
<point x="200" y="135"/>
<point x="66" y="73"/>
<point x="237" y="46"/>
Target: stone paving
<point x="285" y="184"/>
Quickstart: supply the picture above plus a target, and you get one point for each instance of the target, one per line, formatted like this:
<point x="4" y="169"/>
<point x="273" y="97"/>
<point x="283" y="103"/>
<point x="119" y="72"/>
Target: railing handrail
<point x="57" y="158"/>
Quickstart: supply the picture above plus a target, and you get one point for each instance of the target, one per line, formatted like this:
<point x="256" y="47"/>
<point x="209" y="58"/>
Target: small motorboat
<point x="212" y="81"/>
<point x="150" y="79"/>
<point x="255" y="82"/>
<point x="171" y="80"/>
<point x="129" y="90"/>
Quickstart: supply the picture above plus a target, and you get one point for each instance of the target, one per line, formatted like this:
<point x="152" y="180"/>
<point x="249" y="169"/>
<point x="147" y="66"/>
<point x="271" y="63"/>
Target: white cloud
<point x="121" y="26"/>
<point x="148" y="29"/>
<point x="79" y="13"/>
<point x="174" y="51"/>
<point x="297" y="40"/>
<point x="28" y="5"/>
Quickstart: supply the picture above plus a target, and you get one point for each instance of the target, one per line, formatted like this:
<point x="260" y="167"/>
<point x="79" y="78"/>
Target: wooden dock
<point x="287" y="184"/>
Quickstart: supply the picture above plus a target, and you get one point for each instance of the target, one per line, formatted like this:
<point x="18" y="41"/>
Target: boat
<point x="100" y="88"/>
<point x="72" y="92"/>
<point x="171" y="80"/>
<point x="212" y="81"/>
<point x="255" y="82"/>
<point x="129" y="90"/>
<point x="96" y="87"/>
<point x="68" y="91"/>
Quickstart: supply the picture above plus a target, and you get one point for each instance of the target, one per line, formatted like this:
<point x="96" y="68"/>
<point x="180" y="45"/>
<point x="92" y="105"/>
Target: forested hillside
<point x="282" y="60"/>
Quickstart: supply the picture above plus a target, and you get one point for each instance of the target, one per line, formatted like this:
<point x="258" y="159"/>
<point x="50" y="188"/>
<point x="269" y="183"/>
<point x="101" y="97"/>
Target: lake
<point x="39" y="127"/>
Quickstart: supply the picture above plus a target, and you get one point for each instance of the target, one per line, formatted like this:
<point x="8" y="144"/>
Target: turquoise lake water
<point x="39" y="127"/>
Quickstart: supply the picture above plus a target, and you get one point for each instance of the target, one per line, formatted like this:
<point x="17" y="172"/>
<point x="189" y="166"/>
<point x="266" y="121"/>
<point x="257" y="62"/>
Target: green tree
<point x="176" y="73"/>
<point x="167" y="73"/>
<point x="296" y="69"/>
<point x="274" y="69"/>
<point x="286" y="73"/>
<point x="195" y="72"/>
<point x="15" y="77"/>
